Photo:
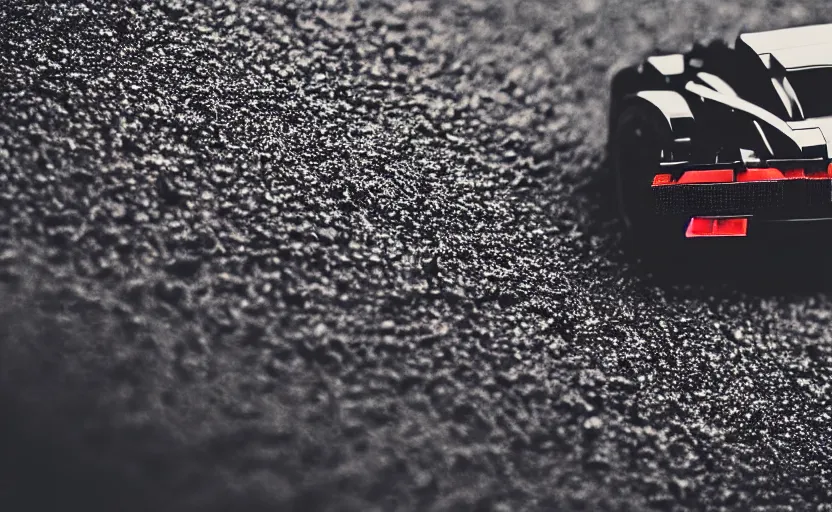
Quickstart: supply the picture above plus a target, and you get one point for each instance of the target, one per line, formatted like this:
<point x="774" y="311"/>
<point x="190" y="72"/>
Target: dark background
<point x="361" y="256"/>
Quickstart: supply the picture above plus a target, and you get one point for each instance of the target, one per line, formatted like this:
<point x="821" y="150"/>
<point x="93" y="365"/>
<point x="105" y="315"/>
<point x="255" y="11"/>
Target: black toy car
<point x="723" y="140"/>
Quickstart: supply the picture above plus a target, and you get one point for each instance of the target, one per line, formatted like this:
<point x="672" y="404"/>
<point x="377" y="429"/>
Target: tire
<point x="641" y="134"/>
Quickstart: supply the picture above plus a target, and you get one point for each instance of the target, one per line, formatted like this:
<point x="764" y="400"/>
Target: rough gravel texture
<point x="360" y="256"/>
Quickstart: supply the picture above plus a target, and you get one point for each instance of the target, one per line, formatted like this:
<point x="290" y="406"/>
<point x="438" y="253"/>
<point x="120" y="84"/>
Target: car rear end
<point x="739" y="201"/>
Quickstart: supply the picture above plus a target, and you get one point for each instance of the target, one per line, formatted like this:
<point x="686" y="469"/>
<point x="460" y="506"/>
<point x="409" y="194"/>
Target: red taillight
<point x="697" y="176"/>
<point x="662" y="179"/>
<point x="766" y="174"/>
<point x="821" y="175"/>
<point x="716" y="227"/>
<point x="709" y="176"/>
<point x="693" y="177"/>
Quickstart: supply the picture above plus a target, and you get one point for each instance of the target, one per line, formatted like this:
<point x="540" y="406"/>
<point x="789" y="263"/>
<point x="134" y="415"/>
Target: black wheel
<point x="641" y="137"/>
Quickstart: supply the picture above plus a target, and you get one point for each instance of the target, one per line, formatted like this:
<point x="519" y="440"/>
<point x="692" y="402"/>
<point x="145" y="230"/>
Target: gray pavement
<point x="360" y="256"/>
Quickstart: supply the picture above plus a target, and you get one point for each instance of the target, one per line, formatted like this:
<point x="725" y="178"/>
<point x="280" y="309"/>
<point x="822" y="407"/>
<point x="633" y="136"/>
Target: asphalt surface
<point x="361" y="256"/>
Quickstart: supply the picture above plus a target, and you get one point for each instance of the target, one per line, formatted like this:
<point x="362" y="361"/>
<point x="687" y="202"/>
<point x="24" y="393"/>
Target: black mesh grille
<point x="785" y="197"/>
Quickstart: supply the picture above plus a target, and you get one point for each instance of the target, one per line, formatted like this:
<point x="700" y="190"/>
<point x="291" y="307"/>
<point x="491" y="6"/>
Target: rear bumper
<point x="775" y="200"/>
